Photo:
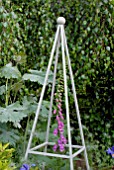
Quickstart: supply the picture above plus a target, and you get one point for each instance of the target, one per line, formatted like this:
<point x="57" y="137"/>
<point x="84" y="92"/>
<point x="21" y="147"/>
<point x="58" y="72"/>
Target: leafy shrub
<point x="5" y="157"/>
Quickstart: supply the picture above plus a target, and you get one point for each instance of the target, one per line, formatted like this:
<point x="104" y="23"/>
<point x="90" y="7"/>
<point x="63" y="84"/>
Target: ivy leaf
<point x="38" y="76"/>
<point x="8" y="71"/>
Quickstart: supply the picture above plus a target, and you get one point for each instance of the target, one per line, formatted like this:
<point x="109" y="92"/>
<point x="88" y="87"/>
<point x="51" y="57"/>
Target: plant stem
<point x="6" y="103"/>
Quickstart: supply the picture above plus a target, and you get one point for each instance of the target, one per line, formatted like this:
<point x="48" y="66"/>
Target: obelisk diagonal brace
<point x="60" y="41"/>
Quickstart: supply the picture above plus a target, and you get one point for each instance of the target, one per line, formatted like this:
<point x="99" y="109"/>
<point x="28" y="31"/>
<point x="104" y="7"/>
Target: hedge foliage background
<point x="27" y="33"/>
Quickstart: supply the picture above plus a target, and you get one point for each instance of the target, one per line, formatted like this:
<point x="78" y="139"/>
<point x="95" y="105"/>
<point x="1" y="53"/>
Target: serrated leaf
<point x="38" y="76"/>
<point x="40" y="73"/>
<point x="8" y="71"/>
<point x="33" y="78"/>
<point x="7" y="136"/>
<point x="13" y="113"/>
<point x="30" y="104"/>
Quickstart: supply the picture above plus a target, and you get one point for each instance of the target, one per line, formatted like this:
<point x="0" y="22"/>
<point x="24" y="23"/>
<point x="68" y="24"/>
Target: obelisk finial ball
<point x="61" y="20"/>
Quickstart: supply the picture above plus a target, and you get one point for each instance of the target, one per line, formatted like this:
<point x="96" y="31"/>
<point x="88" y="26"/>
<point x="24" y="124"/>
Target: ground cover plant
<point x="27" y="32"/>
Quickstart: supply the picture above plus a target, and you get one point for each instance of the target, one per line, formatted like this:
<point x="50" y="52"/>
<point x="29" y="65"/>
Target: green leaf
<point x="8" y="71"/>
<point x="37" y="76"/>
<point x="7" y="135"/>
<point x="13" y="113"/>
<point x="20" y="58"/>
<point x="33" y="78"/>
<point x="41" y="135"/>
<point x="44" y="112"/>
<point x="17" y="86"/>
<point x="2" y="89"/>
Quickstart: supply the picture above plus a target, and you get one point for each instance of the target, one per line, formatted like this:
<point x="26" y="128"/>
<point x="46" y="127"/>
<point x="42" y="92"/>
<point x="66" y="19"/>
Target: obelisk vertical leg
<point x="76" y="103"/>
<point x="66" y="99"/>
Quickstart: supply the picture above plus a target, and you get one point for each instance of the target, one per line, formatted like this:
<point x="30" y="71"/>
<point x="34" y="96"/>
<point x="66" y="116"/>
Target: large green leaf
<point x="7" y="135"/>
<point x="2" y="89"/>
<point x="33" y="78"/>
<point x="37" y="76"/>
<point x="16" y="112"/>
<point x="13" y="113"/>
<point x="8" y="71"/>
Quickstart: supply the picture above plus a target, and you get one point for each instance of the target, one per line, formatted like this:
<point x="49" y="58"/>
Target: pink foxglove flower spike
<point x="59" y="131"/>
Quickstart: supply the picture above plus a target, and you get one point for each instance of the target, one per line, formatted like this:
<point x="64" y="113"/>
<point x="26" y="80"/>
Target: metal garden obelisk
<point x="59" y="42"/>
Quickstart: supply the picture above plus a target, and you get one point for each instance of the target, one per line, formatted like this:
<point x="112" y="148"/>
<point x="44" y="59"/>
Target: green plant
<point x="12" y="111"/>
<point x="6" y="157"/>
